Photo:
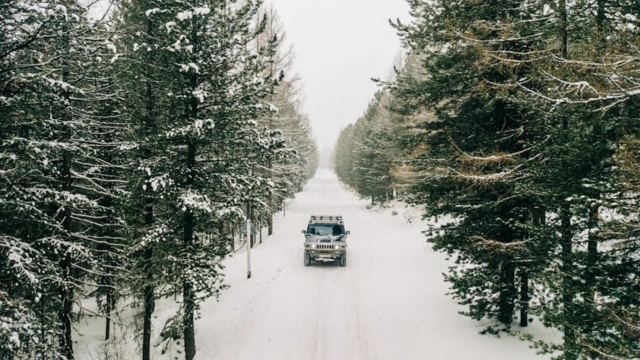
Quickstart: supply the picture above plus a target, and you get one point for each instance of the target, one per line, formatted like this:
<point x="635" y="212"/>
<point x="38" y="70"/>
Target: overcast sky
<point x="340" y="45"/>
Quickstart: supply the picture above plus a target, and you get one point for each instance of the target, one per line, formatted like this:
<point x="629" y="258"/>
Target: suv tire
<point x="343" y="259"/>
<point x="307" y="258"/>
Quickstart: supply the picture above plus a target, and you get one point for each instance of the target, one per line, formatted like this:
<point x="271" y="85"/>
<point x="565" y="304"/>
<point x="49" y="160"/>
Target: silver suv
<point x="325" y="240"/>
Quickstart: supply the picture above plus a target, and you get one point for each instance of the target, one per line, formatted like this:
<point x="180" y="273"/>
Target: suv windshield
<point x="325" y="229"/>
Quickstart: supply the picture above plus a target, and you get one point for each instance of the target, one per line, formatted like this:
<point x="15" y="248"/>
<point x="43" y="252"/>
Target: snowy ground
<point x="388" y="303"/>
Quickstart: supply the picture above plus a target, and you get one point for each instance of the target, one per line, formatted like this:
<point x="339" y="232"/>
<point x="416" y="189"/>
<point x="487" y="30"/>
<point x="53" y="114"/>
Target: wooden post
<point x="248" y="249"/>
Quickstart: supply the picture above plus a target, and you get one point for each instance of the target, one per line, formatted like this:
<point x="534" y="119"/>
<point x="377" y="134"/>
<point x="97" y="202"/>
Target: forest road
<point x="388" y="303"/>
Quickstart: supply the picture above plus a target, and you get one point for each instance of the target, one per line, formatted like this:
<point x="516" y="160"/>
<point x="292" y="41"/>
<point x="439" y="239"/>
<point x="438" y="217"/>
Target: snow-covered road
<point x="388" y="303"/>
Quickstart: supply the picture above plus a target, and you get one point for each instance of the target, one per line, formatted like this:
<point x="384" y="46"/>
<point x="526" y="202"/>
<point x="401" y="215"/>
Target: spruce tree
<point x="476" y="153"/>
<point x="211" y="145"/>
<point x="533" y="67"/>
<point x="62" y="179"/>
<point x="148" y="109"/>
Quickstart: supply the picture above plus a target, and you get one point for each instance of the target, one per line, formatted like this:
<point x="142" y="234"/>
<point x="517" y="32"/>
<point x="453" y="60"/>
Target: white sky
<point x="340" y="45"/>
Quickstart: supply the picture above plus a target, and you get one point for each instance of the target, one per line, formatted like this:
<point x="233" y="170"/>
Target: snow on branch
<point x="484" y="241"/>
<point x="492" y="158"/>
<point x="18" y="257"/>
<point x="498" y="41"/>
<point x="196" y="128"/>
<point x="613" y="65"/>
<point x="494" y="55"/>
<point x="487" y="177"/>
<point x="192" y="200"/>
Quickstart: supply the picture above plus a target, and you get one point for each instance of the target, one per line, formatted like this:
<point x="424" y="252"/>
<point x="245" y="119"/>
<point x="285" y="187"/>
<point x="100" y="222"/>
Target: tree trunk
<point x="592" y="255"/>
<point x="107" y="279"/>
<point x="562" y="24"/>
<point x="189" y="331"/>
<point x="591" y="270"/>
<point x="524" y="297"/>
<point x="66" y="306"/>
<point x="506" y="297"/>
<point x="270" y="215"/>
<point x="567" y="283"/>
<point x="189" y="224"/>
<point x="189" y="219"/>
<point x="43" y="325"/>
<point x="149" y="307"/>
<point x="107" y="316"/>
<point x="66" y="289"/>
<point x="565" y="219"/>
<point x="601" y="15"/>
<point x="149" y="289"/>
<point x="250" y="236"/>
<point x="66" y="300"/>
<point x="187" y="290"/>
<point x="271" y="73"/>
<point x="538" y="218"/>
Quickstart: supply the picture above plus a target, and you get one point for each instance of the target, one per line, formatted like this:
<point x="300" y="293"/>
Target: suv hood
<point x="324" y="238"/>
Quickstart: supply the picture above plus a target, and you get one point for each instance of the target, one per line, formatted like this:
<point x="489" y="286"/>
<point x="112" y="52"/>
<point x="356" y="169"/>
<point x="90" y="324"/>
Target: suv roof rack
<point x="326" y="219"/>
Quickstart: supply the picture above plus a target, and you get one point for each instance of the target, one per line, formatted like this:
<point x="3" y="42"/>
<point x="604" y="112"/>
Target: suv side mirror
<point x="304" y="232"/>
<point x="348" y="232"/>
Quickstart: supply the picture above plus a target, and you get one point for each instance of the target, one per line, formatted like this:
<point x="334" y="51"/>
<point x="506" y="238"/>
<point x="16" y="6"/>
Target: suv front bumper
<point x="325" y="252"/>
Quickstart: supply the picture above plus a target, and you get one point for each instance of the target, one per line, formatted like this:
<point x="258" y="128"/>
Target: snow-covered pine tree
<point x="214" y="88"/>
<point x="616" y="275"/>
<point x="342" y="155"/>
<point x="545" y="58"/>
<point x="288" y="167"/>
<point x="579" y="90"/>
<point x="271" y="38"/>
<point x="583" y="173"/>
<point x="109" y="133"/>
<point x="21" y="23"/>
<point x="372" y="149"/>
<point x="297" y="163"/>
<point x="474" y="154"/>
<point x="301" y="165"/>
<point x="370" y="155"/>
<point x="59" y="141"/>
<point x="148" y="109"/>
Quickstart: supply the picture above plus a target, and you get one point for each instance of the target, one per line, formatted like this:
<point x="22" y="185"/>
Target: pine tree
<point x="371" y="152"/>
<point x="576" y="166"/>
<point x="148" y="109"/>
<point x="530" y="65"/>
<point x="211" y="146"/>
<point x="21" y="25"/>
<point x="343" y="155"/>
<point x="287" y="168"/>
<point x="125" y="155"/>
<point x="61" y="141"/>
<point x="476" y="151"/>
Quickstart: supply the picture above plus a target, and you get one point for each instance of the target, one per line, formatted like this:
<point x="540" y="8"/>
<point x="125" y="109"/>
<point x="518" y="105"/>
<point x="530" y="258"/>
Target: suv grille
<point x="324" y="247"/>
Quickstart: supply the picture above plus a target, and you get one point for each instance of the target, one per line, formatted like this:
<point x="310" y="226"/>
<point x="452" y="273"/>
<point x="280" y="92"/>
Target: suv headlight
<point x="337" y="247"/>
<point x="313" y="246"/>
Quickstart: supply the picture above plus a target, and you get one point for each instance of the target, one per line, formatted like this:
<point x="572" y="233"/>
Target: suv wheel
<point x="343" y="259"/>
<point x="307" y="258"/>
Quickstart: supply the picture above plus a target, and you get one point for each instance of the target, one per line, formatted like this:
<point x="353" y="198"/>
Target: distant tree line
<point x="518" y="122"/>
<point x="131" y="148"/>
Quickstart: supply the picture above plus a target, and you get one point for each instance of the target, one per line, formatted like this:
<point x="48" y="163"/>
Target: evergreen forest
<point x="133" y="144"/>
<point x="514" y="126"/>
